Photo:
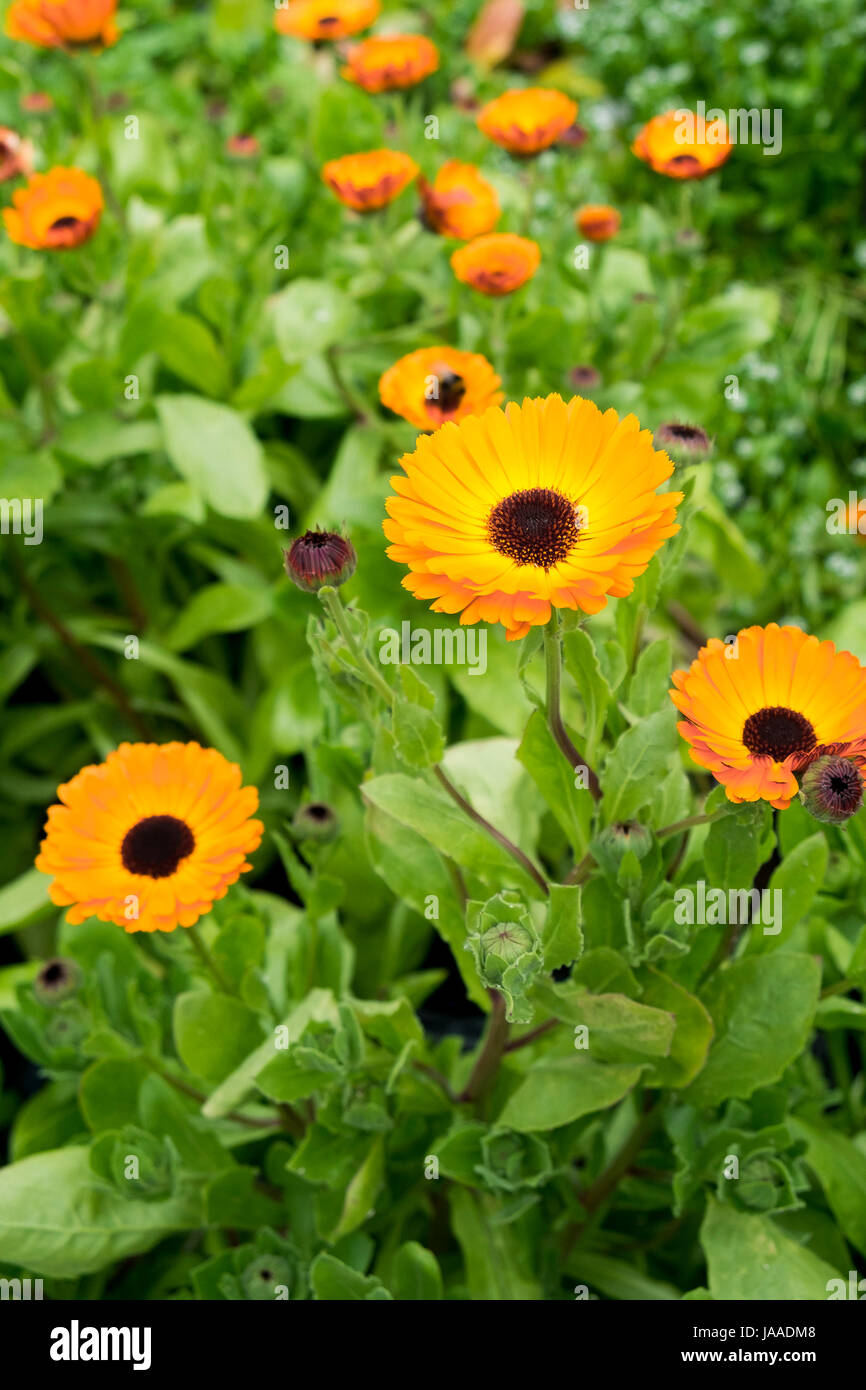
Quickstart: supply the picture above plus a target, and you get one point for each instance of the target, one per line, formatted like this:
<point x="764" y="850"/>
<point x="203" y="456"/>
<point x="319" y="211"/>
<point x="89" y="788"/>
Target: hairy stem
<point x="553" y="667"/>
<point x="492" y="1050"/>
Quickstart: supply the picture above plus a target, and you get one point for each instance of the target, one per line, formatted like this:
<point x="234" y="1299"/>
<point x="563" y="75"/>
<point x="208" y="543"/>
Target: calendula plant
<point x="433" y="712"/>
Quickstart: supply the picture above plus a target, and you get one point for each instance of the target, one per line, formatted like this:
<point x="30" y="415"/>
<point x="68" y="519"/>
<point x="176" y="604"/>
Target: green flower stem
<point x="344" y="391"/>
<point x="492" y="1050"/>
<point x="331" y="599"/>
<point x="690" y="821"/>
<point x="207" y="960"/>
<point x="553" y="664"/>
<point x="95" y="109"/>
<point x="334" y="604"/>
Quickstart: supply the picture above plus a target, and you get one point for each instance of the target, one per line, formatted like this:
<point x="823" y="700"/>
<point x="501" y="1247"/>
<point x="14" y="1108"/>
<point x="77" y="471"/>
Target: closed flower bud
<point x="684" y="443"/>
<point x="503" y="944"/>
<point x="584" y="378"/>
<point x="832" y="789"/>
<point x="318" y="558"/>
<point x="56" y="980"/>
<point x="315" y="821"/>
<point x="264" y="1276"/>
<point x="624" y="836"/>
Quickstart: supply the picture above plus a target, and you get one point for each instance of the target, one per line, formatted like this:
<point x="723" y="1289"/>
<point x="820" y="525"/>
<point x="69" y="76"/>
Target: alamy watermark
<point x="714" y="907"/>
<point x="740" y="126"/>
<point x="445" y="646"/>
<point x="22" y="516"/>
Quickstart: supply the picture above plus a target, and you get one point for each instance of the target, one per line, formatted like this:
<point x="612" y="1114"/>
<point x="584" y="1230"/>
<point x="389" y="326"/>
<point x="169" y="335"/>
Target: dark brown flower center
<point x="537" y="526"/>
<point x="777" y="732"/>
<point x="452" y="389"/>
<point x="842" y="787"/>
<point x="156" y="845"/>
<point x="64" y="223"/>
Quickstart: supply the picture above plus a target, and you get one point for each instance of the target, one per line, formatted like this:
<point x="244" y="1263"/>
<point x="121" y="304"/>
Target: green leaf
<point x="562" y="937"/>
<point x="841" y="1170"/>
<point x="582" y="664"/>
<point x="56" y="1221"/>
<point x="798" y="878"/>
<point x="557" y="1090"/>
<point x="333" y="1280"/>
<point x="549" y="770"/>
<point x="633" y="771"/>
<point x="218" y="608"/>
<point x="214" y="449"/>
<point x="434" y="815"/>
<point x="735" y="846"/>
<point x="497" y="1256"/>
<point x="694" y="1029"/>
<point x="418" y="735"/>
<point x="189" y="349"/>
<point x="749" y="1259"/>
<point x="762" y="1009"/>
<point x="362" y="1191"/>
<point x="24" y="900"/>
<point x="649" y="684"/>
<point x="415" y="1274"/>
<point x="213" y="1033"/>
<point x="618" y="1279"/>
<point x="309" y="316"/>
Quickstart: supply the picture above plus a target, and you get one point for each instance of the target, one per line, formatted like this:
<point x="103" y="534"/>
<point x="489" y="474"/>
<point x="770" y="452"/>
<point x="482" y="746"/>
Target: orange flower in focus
<point x="597" y="222"/>
<point x="63" y="23"/>
<point x="527" y="120"/>
<point x="370" y="180"/>
<point x="497" y="264"/>
<point x="16" y="155"/>
<point x="151" y="838"/>
<point x="459" y="202"/>
<point x="326" y="19"/>
<point x="682" y="146"/>
<point x="393" y="61"/>
<point x="436" y="384"/>
<point x="55" y="211"/>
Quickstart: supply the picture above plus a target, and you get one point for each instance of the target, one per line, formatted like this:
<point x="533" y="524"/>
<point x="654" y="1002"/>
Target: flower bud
<point x="318" y="558"/>
<point x="56" y="980"/>
<point x="315" y="821"/>
<point x="831" y="789"/>
<point x="507" y="951"/>
<point x="584" y="378"/>
<point x="624" y="836"/>
<point x="684" y="443"/>
<point x="264" y="1275"/>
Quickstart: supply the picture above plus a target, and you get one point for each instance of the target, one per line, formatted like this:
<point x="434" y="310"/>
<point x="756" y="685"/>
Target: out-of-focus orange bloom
<point x="16" y="155"/>
<point x="436" y="384"/>
<point x="527" y="119"/>
<point x="243" y="146"/>
<point x="55" y="211"/>
<point x="326" y="19"/>
<point x="682" y="146"/>
<point x="369" y="180"/>
<point x="390" y="62"/>
<point x="497" y="264"/>
<point x="597" y="222"/>
<point x="35" y="103"/>
<point x="459" y="203"/>
<point x="63" y="23"/>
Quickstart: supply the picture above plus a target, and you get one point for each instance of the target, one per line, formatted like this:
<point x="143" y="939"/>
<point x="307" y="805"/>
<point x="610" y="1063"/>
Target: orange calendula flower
<point x="63" y="23"/>
<point x="527" y="119"/>
<point x="326" y="19"/>
<point x="16" y="155"/>
<point x="436" y="384"/>
<point x="459" y="202"/>
<point x="386" y="63"/>
<point x="55" y="211"/>
<point x="682" y="146"/>
<point x="512" y="513"/>
<point x="497" y="264"/>
<point x="151" y="838"/>
<point x="760" y="709"/>
<point x="597" y="222"/>
<point x="369" y="180"/>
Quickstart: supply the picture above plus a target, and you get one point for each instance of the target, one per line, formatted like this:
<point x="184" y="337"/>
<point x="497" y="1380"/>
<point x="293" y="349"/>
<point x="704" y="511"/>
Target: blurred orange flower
<point x="497" y="264"/>
<point x="459" y="203"/>
<point x="16" y="155"/>
<point x="63" y="23"/>
<point x="436" y="384"/>
<point x="369" y="180"/>
<point x="528" y="119"/>
<point x="243" y="146"/>
<point x="326" y="19"/>
<point x="55" y="211"/>
<point x="597" y="222"/>
<point x="681" y="146"/>
<point x="390" y="62"/>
